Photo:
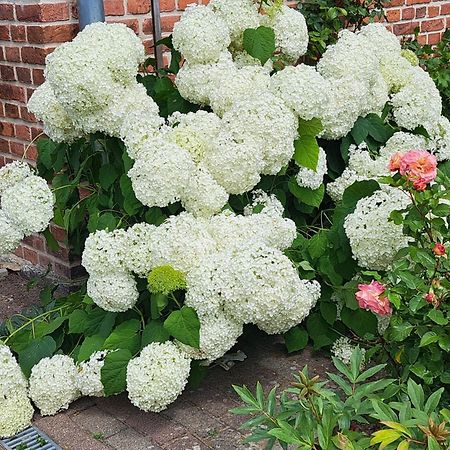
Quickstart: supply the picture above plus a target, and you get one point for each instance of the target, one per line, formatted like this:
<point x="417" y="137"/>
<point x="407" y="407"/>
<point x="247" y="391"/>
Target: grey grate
<point x="30" y="439"/>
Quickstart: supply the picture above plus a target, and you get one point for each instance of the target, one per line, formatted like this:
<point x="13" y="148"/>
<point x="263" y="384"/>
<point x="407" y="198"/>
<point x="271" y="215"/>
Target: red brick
<point x="12" y="54"/>
<point x="414" y="2"/>
<point x="114" y="7"/>
<point x="12" y="111"/>
<point x="130" y="23"/>
<point x="138" y="6"/>
<point x="31" y="152"/>
<point x="44" y="261"/>
<point x="408" y="13"/>
<point x="434" y="38"/>
<point x="393" y="15"/>
<point x="18" y="33"/>
<point x="421" y="12"/>
<point x="19" y="252"/>
<point x="35" y="241"/>
<point x="51" y="33"/>
<point x="422" y="39"/>
<point x="35" y="55"/>
<point x="35" y="132"/>
<point x="432" y="25"/>
<point x="445" y="9"/>
<point x="38" y="76"/>
<point x="5" y="34"/>
<point x="433" y="11"/>
<point x="182" y="4"/>
<point x="4" y="147"/>
<point x="6" y="12"/>
<point x="2" y="53"/>
<point x="45" y="12"/>
<point x="58" y="233"/>
<point x="23" y="74"/>
<point x="12" y="92"/>
<point x="30" y="255"/>
<point x="167" y="5"/>
<point x="22" y="132"/>
<point x="26" y="115"/>
<point x="405" y="28"/>
<point x="6" y="129"/>
<point x="17" y="148"/>
<point x="148" y="45"/>
<point x="7" y="73"/>
<point x="147" y="26"/>
<point x="167" y="23"/>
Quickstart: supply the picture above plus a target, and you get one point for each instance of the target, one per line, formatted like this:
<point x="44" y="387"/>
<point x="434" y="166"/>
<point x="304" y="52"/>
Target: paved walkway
<point x="198" y="420"/>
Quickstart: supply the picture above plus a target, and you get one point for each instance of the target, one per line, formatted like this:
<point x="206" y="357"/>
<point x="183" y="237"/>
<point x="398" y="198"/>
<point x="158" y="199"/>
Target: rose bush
<point x="245" y="188"/>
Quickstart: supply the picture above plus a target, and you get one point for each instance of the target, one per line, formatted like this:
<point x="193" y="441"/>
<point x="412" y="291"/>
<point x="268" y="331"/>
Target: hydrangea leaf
<point x="34" y="352"/>
<point x="311" y="197"/>
<point x="259" y="43"/>
<point x="114" y="372"/>
<point x="184" y="326"/>
<point x="306" y="152"/>
<point x="124" y="336"/>
<point x="295" y="339"/>
<point x="89" y="346"/>
<point x="107" y="175"/>
<point x="154" y="332"/>
<point x="309" y="127"/>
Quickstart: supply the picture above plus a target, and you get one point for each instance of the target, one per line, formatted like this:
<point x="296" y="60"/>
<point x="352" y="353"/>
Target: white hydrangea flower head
<point x="115" y="291"/>
<point x="58" y="126"/>
<point x="377" y="98"/>
<point x="203" y="196"/>
<point x="157" y="376"/>
<point x="16" y="413"/>
<point x="200" y="35"/>
<point x="343" y="349"/>
<point x="13" y="173"/>
<point x="12" y="380"/>
<point x="440" y="139"/>
<point x="103" y="250"/>
<point x="236" y="166"/>
<point x="138" y="257"/>
<point x="396" y="70"/>
<point x="337" y="188"/>
<point x="238" y="15"/>
<point x="53" y="384"/>
<point x="29" y="204"/>
<point x="418" y="103"/>
<point x="380" y="38"/>
<point x="218" y="334"/>
<point x="374" y="239"/>
<point x="161" y="173"/>
<point x="312" y="179"/>
<point x="89" y="381"/>
<point x="303" y="89"/>
<point x="243" y="59"/>
<point x="10" y="235"/>
<point x="194" y="132"/>
<point x="236" y="84"/>
<point x="194" y="81"/>
<point x="270" y="123"/>
<point x="291" y="32"/>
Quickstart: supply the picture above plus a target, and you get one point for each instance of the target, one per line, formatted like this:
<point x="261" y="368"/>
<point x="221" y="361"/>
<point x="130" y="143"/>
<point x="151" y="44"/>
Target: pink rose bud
<point x="439" y="249"/>
<point x="430" y="297"/>
<point x="394" y="162"/>
<point x="370" y="298"/>
<point x="419" y="167"/>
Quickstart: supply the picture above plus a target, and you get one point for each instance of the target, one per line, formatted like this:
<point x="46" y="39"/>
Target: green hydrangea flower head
<point x="165" y="279"/>
<point x="410" y="56"/>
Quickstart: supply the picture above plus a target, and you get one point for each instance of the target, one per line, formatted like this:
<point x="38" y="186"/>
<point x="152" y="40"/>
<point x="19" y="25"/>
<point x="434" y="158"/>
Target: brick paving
<point x="198" y="420"/>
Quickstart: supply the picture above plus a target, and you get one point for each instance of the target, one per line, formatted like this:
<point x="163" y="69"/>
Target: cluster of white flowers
<point x="16" y="411"/>
<point x="313" y="178"/>
<point x="362" y="166"/>
<point x="26" y="205"/>
<point x="374" y="239"/>
<point x="235" y="270"/>
<point x="53" y="384"/>
<point x="91" y="84"/>
<point x="343" y="349"/>
<point x="89" y="375"/>
<point x="157" y="376"/>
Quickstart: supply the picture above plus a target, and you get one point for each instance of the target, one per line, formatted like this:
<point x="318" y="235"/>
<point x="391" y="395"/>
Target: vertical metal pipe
<point x="90" y="11"/>
<point x="156" y="21"/>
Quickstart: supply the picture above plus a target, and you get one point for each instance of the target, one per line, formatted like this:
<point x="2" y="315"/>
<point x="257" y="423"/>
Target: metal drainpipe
<point x="90" y="11"/>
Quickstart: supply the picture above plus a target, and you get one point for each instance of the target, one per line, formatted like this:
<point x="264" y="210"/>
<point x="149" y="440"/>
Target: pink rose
<point x="439" y="249"/>
<point x="419" y="167"/>
<point x="430" y="297"/>
<point x="394" y="162"/>
<point x="370" y="298"/>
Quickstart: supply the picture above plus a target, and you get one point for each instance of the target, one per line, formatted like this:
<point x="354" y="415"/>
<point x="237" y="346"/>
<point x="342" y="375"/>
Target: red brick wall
<point x="31" y="29"/>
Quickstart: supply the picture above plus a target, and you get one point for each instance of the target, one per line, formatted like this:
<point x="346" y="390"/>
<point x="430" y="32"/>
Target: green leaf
<point x="131" y="204"/>
<point x="359" y="131"/>
<point x="438" y="317"/>
<point x="154" y="332"/>
<point x="359" y="190"/>
<point x="77" y="321"/>
<point x="376" y="128"/>
<point x="107" y="175"/>
<point x="114" y="372"/>
<point x="90" y="345"/>
<point x="308" y="196"/>
<point x="52" y="243"/>
<point x="306" y="152"/>
<point x="295" y="339"/>
<point x="360" y="321"/>
<point x="433" y="444"/>
<point x="428" y="338"/>
<point x="124" y="336"/>
<point x="433" y="401"/>
<point x="415" y="393"/>
<point x="46" y="149"/>
<point x="318" y="244"/>
<point x="328" y="311"/>
<point x="36" y="350"/>
<point x="311" y="127"/>
<point x="184" y="326"/>
<point x="259" y="43"/>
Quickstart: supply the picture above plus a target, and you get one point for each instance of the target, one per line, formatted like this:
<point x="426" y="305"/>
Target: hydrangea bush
<point x="245" y="188"/>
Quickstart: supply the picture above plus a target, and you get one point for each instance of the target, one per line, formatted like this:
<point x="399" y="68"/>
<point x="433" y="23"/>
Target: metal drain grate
<point x="30" y="439"/>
